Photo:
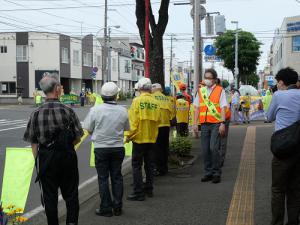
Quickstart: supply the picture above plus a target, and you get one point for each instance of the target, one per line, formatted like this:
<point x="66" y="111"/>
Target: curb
<point x="85" y="195"/>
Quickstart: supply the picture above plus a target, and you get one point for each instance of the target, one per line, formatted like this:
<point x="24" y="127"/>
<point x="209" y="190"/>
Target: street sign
<point x="210" y="50"/>
<point x="95" y="69"/>
<point x="202" y="12"/>
<point x="212" y="58"/>
<point x="209" y="25"/>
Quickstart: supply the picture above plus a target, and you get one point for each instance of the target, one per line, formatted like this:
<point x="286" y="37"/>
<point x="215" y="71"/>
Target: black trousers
<point x="162" y="150"/>
<point x="142" y="153"/>
<point x="286" y="190"/>
<point x="182" y="129"/>
<point x="61" y="172"/>
<point x="109" y="164"/>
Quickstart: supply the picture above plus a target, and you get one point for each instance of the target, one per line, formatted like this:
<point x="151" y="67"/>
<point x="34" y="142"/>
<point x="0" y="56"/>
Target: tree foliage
<point x="156" y="37"/>
<point x="248" y="52"/>
<point x="250" y="79"/>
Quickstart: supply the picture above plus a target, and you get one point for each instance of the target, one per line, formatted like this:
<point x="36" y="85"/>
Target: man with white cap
<point x="107" y="123"/>
<point x="144" y="116"/>
<point x="162" y="143"/>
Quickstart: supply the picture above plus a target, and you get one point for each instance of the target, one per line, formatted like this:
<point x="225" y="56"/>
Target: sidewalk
<point x="181" y="199"/>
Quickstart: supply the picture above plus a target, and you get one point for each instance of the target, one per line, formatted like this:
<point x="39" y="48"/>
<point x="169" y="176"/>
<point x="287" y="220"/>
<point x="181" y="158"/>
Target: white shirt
<point x="108" y="123"/>
<point x="223" y="99"/>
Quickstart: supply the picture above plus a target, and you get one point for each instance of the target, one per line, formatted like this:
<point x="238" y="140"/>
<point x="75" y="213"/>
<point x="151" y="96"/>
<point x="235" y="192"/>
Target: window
<point x="138" y="54"/>
<point x="127" y="66"/>
<point x="98" y="57"/>
<point x="87" y="59"/>
<point x="138" y="72"/>
<point x="65" y="55"/>
<point x="114" y="64"/>
<point x="296" y="44"/>
<point x="143" y="73"/>
<point x="3" y="49"/>
<point x="7" y="88"/>
<point x="76" y="58"/>
<point x="143" y="55"/>
<point x="22" y="53"/>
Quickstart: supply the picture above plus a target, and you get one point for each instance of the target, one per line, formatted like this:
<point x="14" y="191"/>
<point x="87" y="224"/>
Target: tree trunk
<point x="157" y="61"/>
<point x="156" y="53"/>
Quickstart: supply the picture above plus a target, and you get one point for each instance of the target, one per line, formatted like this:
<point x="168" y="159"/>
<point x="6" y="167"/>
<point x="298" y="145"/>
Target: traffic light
<point x="132" y="52"/>
<point x="220" y="24"/>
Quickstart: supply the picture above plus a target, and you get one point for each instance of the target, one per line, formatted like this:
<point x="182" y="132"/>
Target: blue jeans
<point x="109" y="163"/>
<point x="210" y="141"/>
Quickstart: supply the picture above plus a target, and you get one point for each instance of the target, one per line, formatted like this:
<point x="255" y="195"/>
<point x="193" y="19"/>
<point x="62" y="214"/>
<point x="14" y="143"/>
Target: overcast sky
<point x="261" y="17"/>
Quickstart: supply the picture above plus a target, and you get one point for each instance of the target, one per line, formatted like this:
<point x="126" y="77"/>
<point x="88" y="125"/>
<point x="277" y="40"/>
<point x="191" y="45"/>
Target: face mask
<point x="208" y="82"/>
<point x="137" y="93"/>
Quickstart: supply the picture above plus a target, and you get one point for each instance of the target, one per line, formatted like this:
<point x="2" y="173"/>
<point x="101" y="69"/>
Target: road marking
<point x="13" y="128"/>
<point x="241" y="211"/>
<point x="13" y="123"/>
<point x="39" y="209"/>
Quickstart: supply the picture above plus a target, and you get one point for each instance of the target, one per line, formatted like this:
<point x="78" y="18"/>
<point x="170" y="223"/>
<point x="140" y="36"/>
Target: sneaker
<point x="118" y="212"/>
<point x="105" y="213"/>
<point x="136" y="197"/>
<point x="216" y="179"/>
<point x="207" y="178"/>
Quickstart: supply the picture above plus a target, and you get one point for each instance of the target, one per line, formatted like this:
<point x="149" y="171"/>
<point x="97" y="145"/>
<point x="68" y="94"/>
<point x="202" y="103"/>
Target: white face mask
<point x="208" y="83"/>
<point x="137" y="93"/>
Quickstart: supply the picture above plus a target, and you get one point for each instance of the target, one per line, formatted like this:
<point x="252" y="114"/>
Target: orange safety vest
<point x="205" y="116"/>
<point x="228" y="114"/>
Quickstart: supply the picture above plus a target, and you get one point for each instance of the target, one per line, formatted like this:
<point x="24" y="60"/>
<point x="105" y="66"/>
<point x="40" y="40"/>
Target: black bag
<point x="286" y="142"/>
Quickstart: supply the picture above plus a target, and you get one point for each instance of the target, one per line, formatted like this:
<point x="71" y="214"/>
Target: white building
<point x="26" y="56"/>
<point x="285" y="49"/>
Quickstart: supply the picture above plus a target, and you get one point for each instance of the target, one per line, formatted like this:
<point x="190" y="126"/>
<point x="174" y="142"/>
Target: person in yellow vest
<point x="182" y="115"/>
<point x="144" y="117"/>
<point x="38" y="99"/>
<point x="162" y="142"/>
<point x="210" y="108"/>
<point x="266" y="101"/>
<point x="172" y="99"/>
<point x="246" y="104"/>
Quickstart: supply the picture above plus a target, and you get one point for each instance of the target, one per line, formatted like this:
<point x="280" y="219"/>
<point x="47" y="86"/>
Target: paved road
<point x="13" y="120"/>
<point x="243" y="197"/>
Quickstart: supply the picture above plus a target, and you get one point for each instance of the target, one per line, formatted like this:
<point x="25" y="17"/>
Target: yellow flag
<point x="19" y="164"/>
<point x="128" y="152"/>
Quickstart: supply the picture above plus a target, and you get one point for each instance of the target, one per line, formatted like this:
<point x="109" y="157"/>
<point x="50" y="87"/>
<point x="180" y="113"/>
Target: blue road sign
<point x="210" y="50"/>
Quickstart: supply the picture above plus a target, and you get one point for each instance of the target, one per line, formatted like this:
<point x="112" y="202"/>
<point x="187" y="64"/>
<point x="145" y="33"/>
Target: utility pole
<point x="190" y="73"/>
<point x="197" y="44"/>
<point x="109" y="55"/>
<point x="236" y="67"/>
<point x="104" y="63"/>
<point x="171" y="58"/>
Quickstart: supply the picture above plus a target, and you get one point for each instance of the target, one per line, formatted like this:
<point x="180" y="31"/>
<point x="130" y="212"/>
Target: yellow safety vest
<point x="144" y="116"/>
<point x="165" y="108"/>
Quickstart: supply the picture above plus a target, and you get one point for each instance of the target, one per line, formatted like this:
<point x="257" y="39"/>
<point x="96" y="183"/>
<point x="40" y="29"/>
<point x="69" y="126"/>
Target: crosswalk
<point x="8" y="124"/>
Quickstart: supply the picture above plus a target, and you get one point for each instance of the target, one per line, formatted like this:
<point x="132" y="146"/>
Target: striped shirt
<point x="48" y="120"/>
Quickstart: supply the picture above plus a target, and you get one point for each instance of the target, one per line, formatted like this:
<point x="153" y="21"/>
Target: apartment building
<point x="285" y="49"/>
<point x="26" y="56"/>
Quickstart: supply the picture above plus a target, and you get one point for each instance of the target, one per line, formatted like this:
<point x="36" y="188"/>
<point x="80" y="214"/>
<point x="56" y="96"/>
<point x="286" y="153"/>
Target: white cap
<point x="156" y="86"/>
<point x="109" y="89"/>
<point x="144" y="82"/>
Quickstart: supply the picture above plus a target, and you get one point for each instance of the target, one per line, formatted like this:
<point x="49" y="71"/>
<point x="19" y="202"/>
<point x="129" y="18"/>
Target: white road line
<point x="13" y="123"/>
<point x="39" y="209"/>
<point x="13" y="128"/>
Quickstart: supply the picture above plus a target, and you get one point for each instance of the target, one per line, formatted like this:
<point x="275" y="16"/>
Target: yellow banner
<point x="177" y="79"/>
<point x="128" y="152"/>
<point x="19" y="164"/>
